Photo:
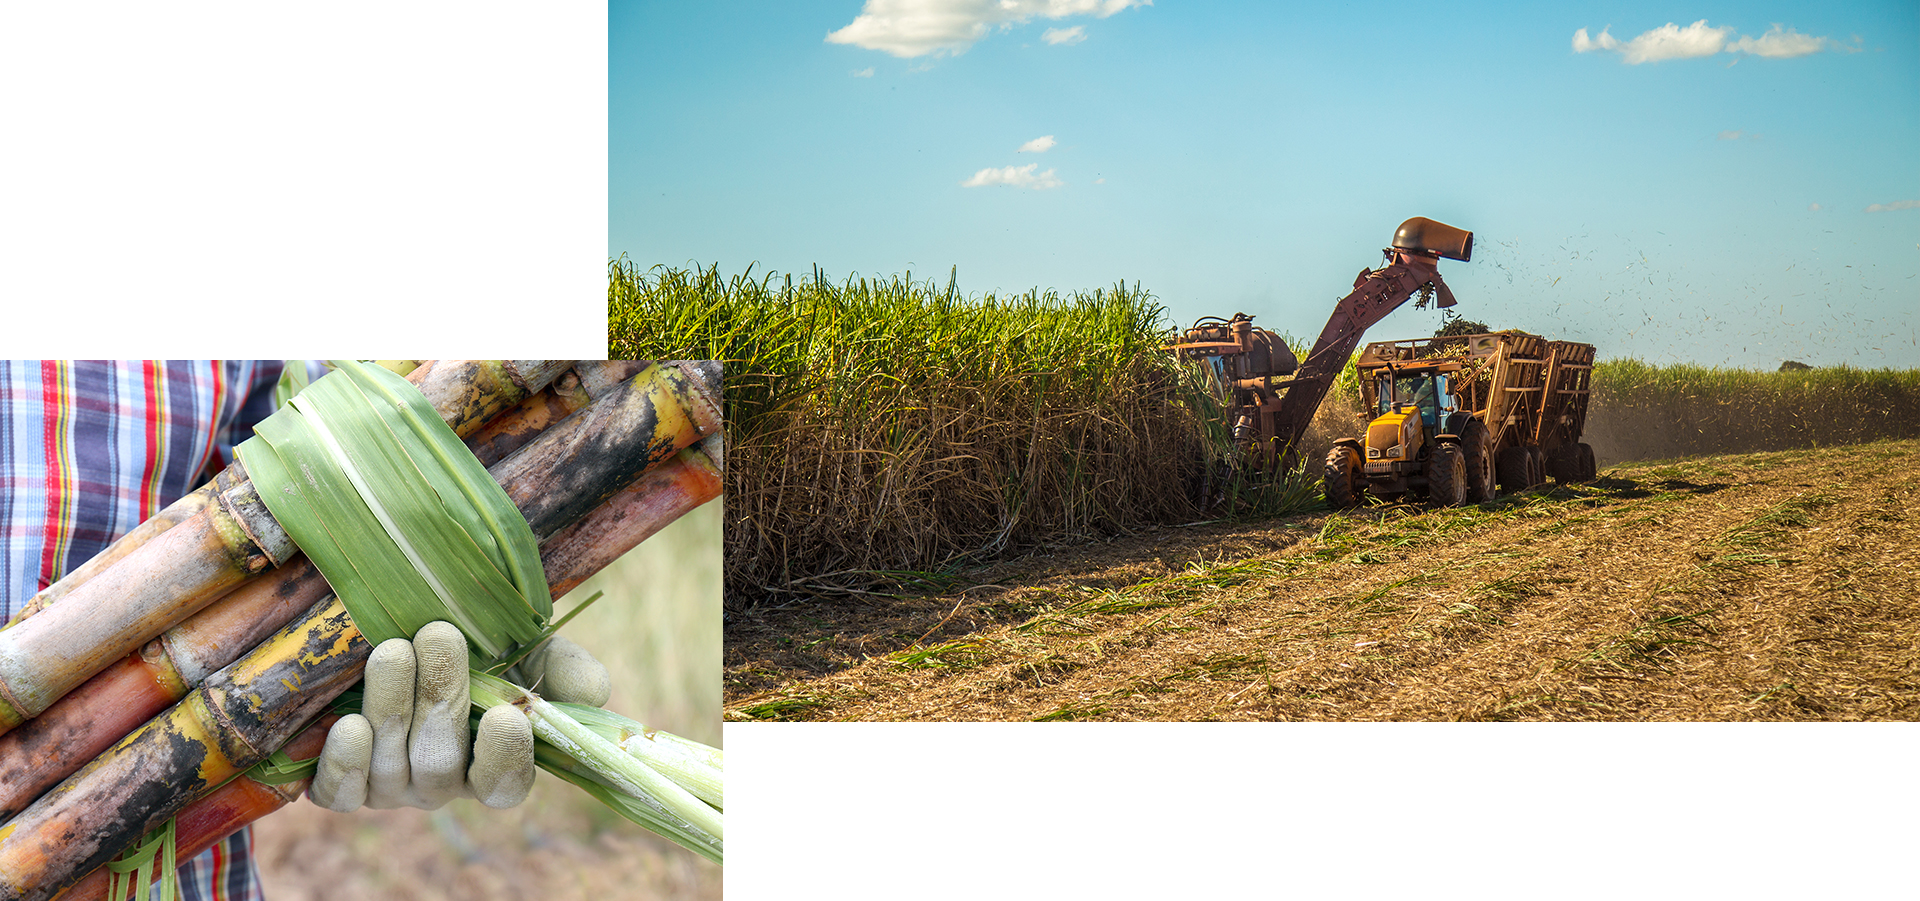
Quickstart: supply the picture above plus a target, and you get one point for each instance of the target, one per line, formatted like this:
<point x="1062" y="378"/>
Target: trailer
<point x="1461" y="417"/>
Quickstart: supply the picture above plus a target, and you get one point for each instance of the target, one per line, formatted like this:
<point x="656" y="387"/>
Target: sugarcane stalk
<point x="655" y="500"/>
<point x="692" y="765"/>
<point x="88" y="719"/>
<point x="226" y="810"/>
<point x="162" y="582"/>
<point x="182" y="569"/>
<point x="172" y="515"/>
<point x="598" y="451"/>
<point x="686" y="816"/>
<point x="233" y="721"/>
<point x="91" y="717"/>
<point x="239" y="715"/>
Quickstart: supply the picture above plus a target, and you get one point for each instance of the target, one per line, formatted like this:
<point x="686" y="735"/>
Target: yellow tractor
<point x="1456" y="418"/>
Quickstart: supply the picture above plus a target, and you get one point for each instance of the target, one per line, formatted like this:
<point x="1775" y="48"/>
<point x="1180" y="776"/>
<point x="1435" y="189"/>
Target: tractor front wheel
<point x="1447" y="476"/>
<point x="1344" y="481"/>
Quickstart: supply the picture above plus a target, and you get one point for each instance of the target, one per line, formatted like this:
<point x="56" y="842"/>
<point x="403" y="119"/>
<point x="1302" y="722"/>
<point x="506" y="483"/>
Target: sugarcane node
<point x="270" y="545"/>
<point x="165" y="674"/>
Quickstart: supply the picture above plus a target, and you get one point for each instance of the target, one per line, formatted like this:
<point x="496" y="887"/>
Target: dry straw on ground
<point x="1779" y="586"/>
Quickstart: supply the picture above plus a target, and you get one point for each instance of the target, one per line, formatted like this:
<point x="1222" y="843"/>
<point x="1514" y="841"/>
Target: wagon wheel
<point x="1536" y="466"/>
<point x="1563" y="464"/>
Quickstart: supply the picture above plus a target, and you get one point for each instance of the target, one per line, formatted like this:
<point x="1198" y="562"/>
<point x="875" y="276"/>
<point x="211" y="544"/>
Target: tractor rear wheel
<point x="1476" y="447"/>
<point x="1447" y="475"/>
<point x="1344" y="481"/>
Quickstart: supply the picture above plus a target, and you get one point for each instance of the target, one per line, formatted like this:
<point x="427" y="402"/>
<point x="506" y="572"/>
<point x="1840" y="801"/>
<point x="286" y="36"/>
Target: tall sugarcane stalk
<point x="250" y="707"/>
<point x="181" y="569"/>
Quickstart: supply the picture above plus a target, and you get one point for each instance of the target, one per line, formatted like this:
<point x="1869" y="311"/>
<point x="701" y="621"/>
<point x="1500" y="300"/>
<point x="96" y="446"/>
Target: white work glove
<point x="410" y="748"/>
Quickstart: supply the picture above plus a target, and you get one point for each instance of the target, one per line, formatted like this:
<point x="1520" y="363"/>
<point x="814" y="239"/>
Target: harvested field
<point x="1770" y="586"/>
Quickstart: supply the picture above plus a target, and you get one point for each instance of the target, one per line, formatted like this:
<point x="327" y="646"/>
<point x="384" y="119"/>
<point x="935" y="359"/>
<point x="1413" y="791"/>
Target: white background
<point x="376" y="180"/>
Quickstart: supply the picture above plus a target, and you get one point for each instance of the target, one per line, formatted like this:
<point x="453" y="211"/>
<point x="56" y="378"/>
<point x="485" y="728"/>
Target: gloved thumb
<point x="560" y="670"/>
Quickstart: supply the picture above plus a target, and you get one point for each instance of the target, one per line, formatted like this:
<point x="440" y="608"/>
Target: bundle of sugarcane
<point x="570" y="477"/>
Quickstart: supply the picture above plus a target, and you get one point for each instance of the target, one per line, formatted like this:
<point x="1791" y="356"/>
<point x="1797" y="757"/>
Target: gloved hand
<point x="410" y="748"/>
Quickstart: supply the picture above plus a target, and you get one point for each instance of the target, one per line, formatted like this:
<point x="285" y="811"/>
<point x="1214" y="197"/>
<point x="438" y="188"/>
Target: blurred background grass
<point x="658" y="630"/>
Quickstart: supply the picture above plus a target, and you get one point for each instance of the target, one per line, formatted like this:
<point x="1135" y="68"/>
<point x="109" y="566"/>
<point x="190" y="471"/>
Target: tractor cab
<point x="1423" y="389"/>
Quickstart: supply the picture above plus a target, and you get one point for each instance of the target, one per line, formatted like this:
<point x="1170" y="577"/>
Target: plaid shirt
<point x="88" y="450"/>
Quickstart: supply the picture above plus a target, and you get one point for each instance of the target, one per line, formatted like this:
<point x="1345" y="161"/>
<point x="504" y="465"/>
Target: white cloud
<point x="1896" y="205"/>
<point x="1073" y="35"/>
<point x="1014" y="177"/>
<point x="1671" y="41"/>
<point x="909" y="28"/>
<point x="1730" y="135"/>
<point x="1777" y="44"/>
<point x="1582" y="44"/>
<point x="1037" y="145"/>
<point x="864" y="73"/>
<point x="1813" y="208"/>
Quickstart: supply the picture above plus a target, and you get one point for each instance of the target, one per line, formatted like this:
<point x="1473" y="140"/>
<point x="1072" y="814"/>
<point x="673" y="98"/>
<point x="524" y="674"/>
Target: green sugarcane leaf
<point x="365" y="477"/>
<point x="498" y="522"/>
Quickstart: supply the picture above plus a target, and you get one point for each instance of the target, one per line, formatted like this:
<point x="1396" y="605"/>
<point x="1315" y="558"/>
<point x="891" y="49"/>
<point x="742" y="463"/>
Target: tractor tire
<point x="1476" y="447"/>
<point x="1512" y="466"/>
<point x="1447" y="476"/>
<point x="1344" y="482"/>
<point x="1588" y="471"/>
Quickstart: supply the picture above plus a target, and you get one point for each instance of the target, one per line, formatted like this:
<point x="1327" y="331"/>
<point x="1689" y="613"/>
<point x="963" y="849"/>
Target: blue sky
<point x="1726" y="184"/>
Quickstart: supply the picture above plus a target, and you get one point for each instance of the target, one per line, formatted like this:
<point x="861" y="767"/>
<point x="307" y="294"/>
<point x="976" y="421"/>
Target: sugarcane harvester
<point x="1269" y="393"/>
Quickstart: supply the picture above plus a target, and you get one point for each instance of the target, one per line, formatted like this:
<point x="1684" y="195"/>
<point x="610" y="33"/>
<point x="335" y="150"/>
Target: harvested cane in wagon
<point x="333" y="648"/>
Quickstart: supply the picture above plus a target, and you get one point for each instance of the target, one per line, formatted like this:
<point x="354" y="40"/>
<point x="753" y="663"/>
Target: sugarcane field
<point x="939" y="523"/>
<point x="538" y="539"/>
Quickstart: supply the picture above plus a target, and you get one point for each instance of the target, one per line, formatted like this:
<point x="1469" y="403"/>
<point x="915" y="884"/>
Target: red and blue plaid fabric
<point x="88" y="450"/>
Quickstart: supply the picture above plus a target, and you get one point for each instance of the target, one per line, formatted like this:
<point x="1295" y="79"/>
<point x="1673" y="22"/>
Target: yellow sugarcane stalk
<point x="242" y="714"/>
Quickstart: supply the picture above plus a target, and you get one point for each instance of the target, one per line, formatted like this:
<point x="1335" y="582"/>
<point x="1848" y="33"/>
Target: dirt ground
<point x="1774" y="586"/>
